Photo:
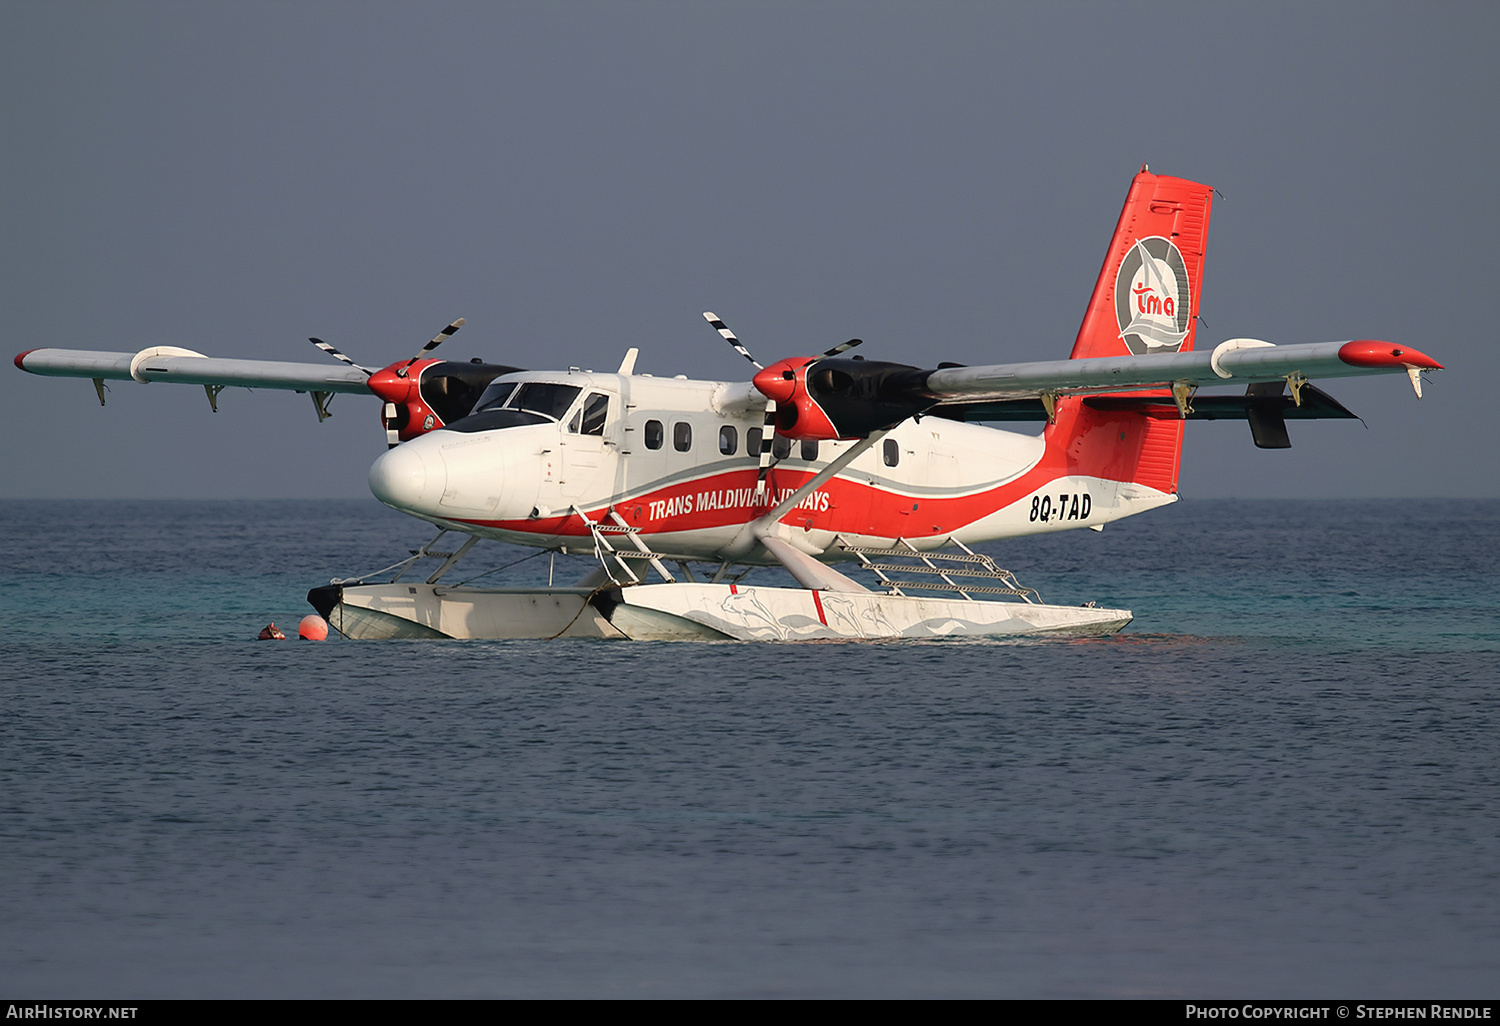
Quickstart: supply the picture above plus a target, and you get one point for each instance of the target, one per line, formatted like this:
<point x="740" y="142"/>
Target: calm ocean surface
<point x="1283" y="780"/>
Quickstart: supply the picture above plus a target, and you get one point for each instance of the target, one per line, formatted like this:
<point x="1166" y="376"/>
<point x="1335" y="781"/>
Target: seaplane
<point x="870" y="482"/>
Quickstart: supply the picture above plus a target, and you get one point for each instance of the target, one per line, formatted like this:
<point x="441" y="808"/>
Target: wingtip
<point x="22" y="356"/>
<point x="1367" y="352"/>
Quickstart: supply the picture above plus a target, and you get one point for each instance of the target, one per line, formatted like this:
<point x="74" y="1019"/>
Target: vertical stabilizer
<point x="1145" y="301"/>
<point x="1146" y="298"/>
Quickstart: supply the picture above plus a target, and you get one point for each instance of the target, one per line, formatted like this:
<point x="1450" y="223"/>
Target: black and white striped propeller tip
<point x="729" y="336"/>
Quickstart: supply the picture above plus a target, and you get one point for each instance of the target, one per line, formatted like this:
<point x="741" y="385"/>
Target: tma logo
<point x="1153" y="297"/>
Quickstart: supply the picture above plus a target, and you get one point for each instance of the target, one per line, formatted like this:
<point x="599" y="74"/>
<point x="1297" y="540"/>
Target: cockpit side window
<point x="595" y="411"/>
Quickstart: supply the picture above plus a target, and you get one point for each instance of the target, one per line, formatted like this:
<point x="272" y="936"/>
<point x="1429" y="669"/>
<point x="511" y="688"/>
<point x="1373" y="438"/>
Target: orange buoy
<point x="270" y="632"/>
<point x="313" y="627"/>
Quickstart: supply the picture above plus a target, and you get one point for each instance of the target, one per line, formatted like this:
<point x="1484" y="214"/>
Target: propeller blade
<point x="441" y="337"/>
<point x="331" y="351"/>
<point x="767" y="437"/>
<point x="768" y="428"/>
<point x="723" y="329"/>
<point x="768" y="431"/>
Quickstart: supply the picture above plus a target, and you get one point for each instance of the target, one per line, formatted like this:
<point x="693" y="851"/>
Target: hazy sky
<point x="939" y="179"/>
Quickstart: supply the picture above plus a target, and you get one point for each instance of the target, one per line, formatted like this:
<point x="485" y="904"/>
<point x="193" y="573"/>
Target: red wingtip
<point x="22" y="356"/>
<point x="1371" y="353"/>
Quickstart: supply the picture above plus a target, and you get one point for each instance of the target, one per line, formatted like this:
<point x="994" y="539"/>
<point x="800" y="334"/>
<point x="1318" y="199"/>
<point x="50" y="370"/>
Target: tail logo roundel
<point x="1153" y="298"/>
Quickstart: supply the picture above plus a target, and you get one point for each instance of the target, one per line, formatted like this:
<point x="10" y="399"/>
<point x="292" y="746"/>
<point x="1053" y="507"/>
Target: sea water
<point x="1283" y="779"/>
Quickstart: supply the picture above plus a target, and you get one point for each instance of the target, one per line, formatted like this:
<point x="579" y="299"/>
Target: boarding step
<point x="907" y="568"/>
<point x="980" y="589"/>
<point x="956" y="571"/>
<point x="956" y="557"/>
<point x="606" y="551"/>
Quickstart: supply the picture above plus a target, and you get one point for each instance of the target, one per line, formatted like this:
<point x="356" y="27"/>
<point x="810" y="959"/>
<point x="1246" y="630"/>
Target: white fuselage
<point x="677" y="460"/>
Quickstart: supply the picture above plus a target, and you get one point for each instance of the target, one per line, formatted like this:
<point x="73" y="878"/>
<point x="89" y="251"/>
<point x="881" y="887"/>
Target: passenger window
<point x="810" y="450"/>
<point x="654" y="434"/>
<point x="595" y="409"/>
<point x="682" y="436"/>
<point x="891" y="450"/>
<point x="781" y="447"/>
<point x="752" y="442"/>
<point x="729" y="440"/>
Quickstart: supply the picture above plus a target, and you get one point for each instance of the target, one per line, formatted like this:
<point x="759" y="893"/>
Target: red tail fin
<point x="1146" y="301"/>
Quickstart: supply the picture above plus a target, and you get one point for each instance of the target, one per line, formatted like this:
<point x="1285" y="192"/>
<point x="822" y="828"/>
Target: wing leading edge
<point x="183" y="366"/>
<point x="1238" y="361"/>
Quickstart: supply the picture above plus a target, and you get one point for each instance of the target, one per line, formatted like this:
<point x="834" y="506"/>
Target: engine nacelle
<point x="833" y="398"/>
<point x="429" y="394"/>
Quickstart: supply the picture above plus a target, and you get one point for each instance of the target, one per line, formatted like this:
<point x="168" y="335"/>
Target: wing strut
<point x="786" y="505"/>
<point x="762" y="529"/>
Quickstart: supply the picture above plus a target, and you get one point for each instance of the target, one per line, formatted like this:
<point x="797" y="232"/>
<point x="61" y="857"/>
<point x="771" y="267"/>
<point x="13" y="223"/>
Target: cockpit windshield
<point x="545" y="398"/>
<point x="494" y="396"/>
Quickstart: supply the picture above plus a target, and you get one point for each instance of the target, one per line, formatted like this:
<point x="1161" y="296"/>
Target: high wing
<point x="847" y="398"/>
<point x="1031" y="391"/>
<point x="170" y="363"/>
<point x="1238" y="361"/>
<point x="420" y="394"/>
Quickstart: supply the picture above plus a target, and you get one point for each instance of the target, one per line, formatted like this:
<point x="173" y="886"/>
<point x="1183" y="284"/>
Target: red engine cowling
<point x="825" y="398"/>
<point x="430" y="394"/>
<point x="406" y="414"/>
<point x="798" y="415"/>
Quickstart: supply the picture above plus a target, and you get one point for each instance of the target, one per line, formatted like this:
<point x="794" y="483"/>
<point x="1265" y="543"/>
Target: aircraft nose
<point x="409" y="478"/>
